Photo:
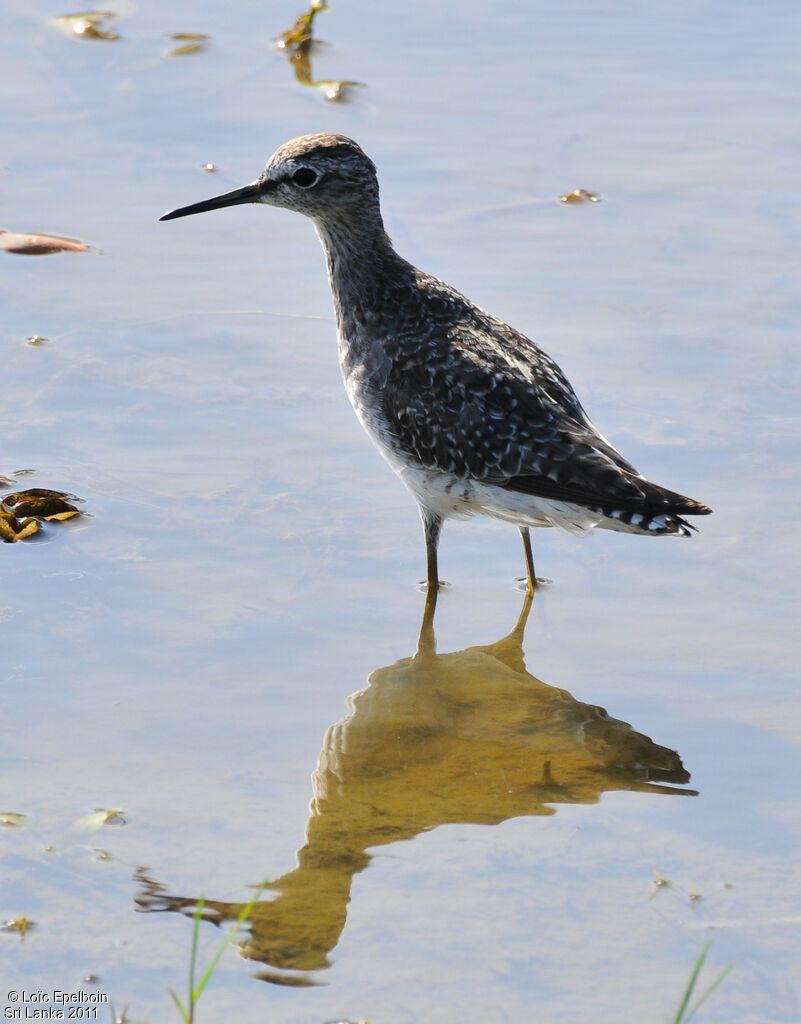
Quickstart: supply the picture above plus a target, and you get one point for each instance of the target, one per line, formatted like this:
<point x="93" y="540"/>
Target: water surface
<point x="229" y="636"/>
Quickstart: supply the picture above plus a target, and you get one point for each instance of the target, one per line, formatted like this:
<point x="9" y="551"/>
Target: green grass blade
<point x="228" y="940"/>
<point x="179" y="1004"/>
<point x="688" y="992"/>
<point x="193" y="954"/>
<point x="719" y="980"/>
<point x="683" y="1014"/>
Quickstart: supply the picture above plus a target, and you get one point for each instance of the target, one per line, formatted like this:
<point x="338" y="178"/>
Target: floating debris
<point x="22" y="513"/>
<point x="85" y="826"/>
<point x="13" y="529"/>
<point x="333" y="88"/>
<point x="106" y="817"/>
<point x="580" y="195"/>
<point x="286" y="980"/>
<point x="301" y="64"/>
<point x="12" y="819"/>
<point x="298" y="41"/>
<point x="209" y="168"/>
<point x="42" y="503"/>
<point x="87" y="25"/>
<point x="302" y="29"/>
<point x="38" y="245"/>
<point x="19" y="924"/>
<point x="191" y="42"/>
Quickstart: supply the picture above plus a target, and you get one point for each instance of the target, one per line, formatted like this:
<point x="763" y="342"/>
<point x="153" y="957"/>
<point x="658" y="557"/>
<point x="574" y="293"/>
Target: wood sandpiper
<point x="472" y="415"/>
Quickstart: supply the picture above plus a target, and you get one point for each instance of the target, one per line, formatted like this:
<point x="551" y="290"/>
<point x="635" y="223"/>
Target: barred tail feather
<point x="662" y="524"/>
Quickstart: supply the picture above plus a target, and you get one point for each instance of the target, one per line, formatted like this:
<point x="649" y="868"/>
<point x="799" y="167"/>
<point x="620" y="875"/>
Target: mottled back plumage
<point x="472" y="415"/>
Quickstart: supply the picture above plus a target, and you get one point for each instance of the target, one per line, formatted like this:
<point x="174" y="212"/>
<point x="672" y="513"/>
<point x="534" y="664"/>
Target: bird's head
<point x="325" y="177"/>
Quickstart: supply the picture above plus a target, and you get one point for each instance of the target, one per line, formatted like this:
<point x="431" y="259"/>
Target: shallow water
<point x="227" y="636"/>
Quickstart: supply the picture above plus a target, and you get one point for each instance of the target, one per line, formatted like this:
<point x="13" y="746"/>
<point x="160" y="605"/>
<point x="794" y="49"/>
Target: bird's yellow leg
<point x="432" y="526"/>
<point x="531" y="579"/>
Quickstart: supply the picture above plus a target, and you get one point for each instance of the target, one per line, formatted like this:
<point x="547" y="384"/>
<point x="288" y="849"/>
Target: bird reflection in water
<point x="467" y="737"/>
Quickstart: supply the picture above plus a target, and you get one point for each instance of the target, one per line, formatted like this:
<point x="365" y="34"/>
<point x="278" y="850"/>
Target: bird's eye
<point x="305" y="177"/>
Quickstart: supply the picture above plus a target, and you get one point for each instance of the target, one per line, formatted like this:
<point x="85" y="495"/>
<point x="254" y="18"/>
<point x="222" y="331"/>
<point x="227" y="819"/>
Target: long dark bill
<point x="246" y="194"/>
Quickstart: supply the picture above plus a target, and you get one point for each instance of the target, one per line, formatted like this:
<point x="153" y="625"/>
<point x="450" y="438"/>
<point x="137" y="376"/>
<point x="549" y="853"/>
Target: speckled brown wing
<point x="491" y="406"/>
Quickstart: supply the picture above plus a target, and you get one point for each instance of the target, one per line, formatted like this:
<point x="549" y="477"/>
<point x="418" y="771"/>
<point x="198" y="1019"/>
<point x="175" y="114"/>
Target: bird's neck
<point x="361" y="264"/>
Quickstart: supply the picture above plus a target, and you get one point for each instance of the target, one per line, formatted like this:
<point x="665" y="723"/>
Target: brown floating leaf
<point x="21" y="511"/>
<point x="39" y="501"/>
<point x="13" y="529"/>
<point x="87" y="24"/>
<point x="38" y="245"/>
<point x="580" y="195"/>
